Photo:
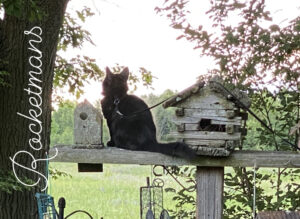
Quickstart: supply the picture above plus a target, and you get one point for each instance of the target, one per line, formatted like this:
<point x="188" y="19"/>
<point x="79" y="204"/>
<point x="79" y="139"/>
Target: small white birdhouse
<point x="208" y="119"/>
<point x="87" y="125"/>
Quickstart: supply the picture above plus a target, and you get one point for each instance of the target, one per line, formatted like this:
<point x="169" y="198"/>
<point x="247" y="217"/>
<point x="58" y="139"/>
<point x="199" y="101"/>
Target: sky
<point x="130" y="33"/>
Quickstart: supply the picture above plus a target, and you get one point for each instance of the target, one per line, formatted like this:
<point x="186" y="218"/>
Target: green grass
<point x="112" y="194"/>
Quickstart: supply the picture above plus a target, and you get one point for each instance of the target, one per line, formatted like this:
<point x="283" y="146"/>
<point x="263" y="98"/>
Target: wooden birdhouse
<point x="209" y="118"/>
<point x="87" y="125"/>
<point x="88" y="133"/>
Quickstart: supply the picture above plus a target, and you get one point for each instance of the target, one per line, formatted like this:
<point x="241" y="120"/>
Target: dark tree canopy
<point x="28" y="42"/>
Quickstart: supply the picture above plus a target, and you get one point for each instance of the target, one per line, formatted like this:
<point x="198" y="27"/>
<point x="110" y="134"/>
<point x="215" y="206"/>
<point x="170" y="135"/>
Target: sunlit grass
<point x="111" y="194"/>
<point x="114" y="193"/>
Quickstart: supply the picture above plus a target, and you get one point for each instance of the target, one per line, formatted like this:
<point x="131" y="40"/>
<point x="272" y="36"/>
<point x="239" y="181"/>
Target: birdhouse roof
<point x="216" y="86"/>
<point x="183" y="95"/>
<point x="86" y="106"/>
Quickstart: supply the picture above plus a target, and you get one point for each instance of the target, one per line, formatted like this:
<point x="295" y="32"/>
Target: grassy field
<point x="112" y="194"/>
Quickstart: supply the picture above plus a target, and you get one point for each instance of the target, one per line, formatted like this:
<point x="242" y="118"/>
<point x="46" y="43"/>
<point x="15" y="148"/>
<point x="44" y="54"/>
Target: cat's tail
<point x="176" y="149"/>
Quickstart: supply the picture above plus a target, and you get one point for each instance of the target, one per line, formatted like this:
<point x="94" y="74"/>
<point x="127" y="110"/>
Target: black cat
<point x="127" y="129"/>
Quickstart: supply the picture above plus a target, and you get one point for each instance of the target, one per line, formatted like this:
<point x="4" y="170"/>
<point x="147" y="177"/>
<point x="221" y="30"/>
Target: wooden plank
<point x="206" y="99"/>
<point x="195" y="127"/>
<point x="212" y="151"/>
<point x="205" y="135"/>
<point x="120" y="156"/>
<point x="211" y="143"/>
<point x="205" y="112"/>
<point x="181" y="96"/>
<point x="214" y="120"/>
<point x="210" y="186"/>
<point x="236" y="122"/>
<point x="192" y="127"/>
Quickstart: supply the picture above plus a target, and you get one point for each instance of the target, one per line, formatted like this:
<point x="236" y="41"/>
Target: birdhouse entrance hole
<point x="206" y="125"/>
<point x="83" y="116"/>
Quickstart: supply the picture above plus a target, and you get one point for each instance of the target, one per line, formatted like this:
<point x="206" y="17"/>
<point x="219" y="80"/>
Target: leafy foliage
<point x="71" y="33"/>
<point x="62" y="124"/>
<point x="55" y="173"/>
<point x="184" y="198"/>
<point x="78" y="71"/>
<point x="9" y="183"/>
<point x="274" y="191"/>
<point x="17" y="8"/>
<point x="280" y="112"/>
<point x="265" y="62"/>
<point x="3" y="75"/>
<point x="246" y="51"/>
<point x="162" y="117"/>
<point x="144" y="76"/>
<point x="74" y="73"/>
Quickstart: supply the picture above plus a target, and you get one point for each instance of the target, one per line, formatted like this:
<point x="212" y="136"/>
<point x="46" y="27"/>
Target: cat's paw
<point x="110" y="143"/>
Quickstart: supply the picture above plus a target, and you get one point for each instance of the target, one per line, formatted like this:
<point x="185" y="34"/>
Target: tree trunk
<point x="16" y="131"/>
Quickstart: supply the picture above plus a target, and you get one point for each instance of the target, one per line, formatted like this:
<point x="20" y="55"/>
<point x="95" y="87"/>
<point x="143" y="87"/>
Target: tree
<point x="62" y="124"/>
<point x="28" y="42"/>
<point x="31" y="33"/>
<point x="265" y="62"/>
<point x="162" y="117"/>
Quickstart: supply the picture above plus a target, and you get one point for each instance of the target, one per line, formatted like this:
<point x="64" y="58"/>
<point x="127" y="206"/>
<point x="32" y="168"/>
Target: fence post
<point x="210" y="187"/>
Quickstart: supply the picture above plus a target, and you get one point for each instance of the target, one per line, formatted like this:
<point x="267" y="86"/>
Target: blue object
<point x="46" y="206"/>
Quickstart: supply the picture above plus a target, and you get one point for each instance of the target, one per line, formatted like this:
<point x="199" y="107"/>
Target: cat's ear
<point x="108" y="73"/>
<point x="125" y="73"/>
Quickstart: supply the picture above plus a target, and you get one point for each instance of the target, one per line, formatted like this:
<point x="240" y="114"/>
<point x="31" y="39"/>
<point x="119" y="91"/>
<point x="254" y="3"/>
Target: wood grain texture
<point x="205" y="112"/>
<point x="210" y="143"/>
<point x="212" y="151"/>
<point x="120" y="156"/>
<point x="206" y="99"/>
<point x="87" y="124"/>
<point x="181" y="96"/>
<point x="206" y="135"/>
<point x="214" y="120"/>
<point x="210" y="186"/>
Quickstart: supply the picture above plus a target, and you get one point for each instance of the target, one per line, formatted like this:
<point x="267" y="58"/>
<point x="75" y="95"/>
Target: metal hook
<point x="155" y="173"/>
<point x="171" y="174"/>
<point x="158" y="182"/>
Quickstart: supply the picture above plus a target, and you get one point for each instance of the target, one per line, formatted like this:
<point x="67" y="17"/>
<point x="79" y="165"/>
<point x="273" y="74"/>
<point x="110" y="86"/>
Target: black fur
<point x="133" y="132"/>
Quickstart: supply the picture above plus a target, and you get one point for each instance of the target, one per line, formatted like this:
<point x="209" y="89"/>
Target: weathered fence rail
<point x="67" y="153"/>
